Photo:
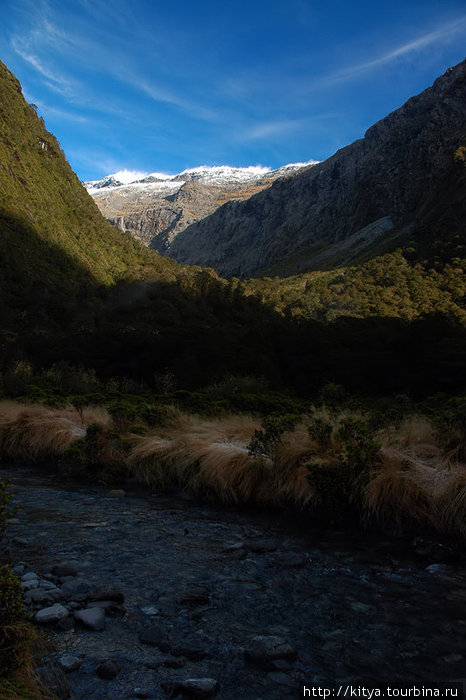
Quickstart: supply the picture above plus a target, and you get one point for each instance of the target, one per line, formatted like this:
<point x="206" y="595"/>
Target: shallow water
<point x="357" y="607"/>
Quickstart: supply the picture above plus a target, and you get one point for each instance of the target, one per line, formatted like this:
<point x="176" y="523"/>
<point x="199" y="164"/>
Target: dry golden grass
<point x="34" y="432"/>
<point x="290" y="483"/>
<point x="203" y="455"/>
<point x="451" y="502"/>
<point x="414" y="482"/>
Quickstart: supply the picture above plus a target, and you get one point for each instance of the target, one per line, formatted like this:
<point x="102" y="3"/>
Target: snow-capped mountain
<point x="209" y="175"/>
<point x="155" y="207"/>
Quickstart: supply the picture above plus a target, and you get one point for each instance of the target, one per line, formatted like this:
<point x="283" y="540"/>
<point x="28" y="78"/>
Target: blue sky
<point x="158" y="86"/>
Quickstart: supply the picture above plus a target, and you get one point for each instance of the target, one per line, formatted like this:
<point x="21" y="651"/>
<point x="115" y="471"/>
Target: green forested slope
<point x="43" y="203"/>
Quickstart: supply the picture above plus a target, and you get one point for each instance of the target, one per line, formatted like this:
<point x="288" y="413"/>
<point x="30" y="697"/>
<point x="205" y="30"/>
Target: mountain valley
<point x="368" y="198"/>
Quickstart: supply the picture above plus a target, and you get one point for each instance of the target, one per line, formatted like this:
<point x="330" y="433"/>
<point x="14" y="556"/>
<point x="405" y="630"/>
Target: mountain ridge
<point x="156" y="207"/>
<point x="385" y="175"/>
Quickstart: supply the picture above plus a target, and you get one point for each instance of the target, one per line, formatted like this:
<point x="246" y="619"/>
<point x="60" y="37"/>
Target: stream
<point x="257" y="603"/>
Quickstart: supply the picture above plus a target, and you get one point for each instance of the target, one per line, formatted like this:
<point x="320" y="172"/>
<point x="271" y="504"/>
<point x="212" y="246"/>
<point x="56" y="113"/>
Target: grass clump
<point x="371" y="464"/>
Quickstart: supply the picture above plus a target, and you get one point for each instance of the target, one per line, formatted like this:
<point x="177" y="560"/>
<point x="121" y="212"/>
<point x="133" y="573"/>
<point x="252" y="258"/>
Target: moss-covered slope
<point x="44" y="207"/>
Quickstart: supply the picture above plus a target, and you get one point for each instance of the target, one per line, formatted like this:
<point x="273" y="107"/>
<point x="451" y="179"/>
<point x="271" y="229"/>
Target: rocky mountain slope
<point x="157" y="207"/>
<point x="366" y="195"/>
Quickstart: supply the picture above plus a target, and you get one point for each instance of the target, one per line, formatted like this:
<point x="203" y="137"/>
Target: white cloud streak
<point x="268" y="129"/>
<point x="440" y="36"/>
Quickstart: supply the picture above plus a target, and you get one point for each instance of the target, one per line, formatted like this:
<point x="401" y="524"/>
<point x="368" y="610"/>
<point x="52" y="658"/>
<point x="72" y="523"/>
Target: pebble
<point x="291" y="559"/>
<point x="260" y="546"/>
<point x="193" y="597"/>
<point x="94" y="618"/>
<point x="107" y="594"/>
<point x="150" y="610"/>
<point x="108" y="669"/>
<point x="263" y="649"/>
<point x="30" y="576"/>
<point x="201" y="601"/>
<point x="192" y="687"/>
<point x="42" y="595"/>
<point x="155" y="637"/>
<point x="30" y="584"/>
<point x="65" y="569"/>
<point x="69" y="663"/>
<point x="117" y="493"/>
<point x="75" y="585"/>
<point x="52" y="614"/>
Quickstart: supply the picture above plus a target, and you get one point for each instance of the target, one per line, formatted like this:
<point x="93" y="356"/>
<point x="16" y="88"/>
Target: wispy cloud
<point x="159" y="94"/>
<point x="56" y="82"/>
<point x="442" y="35"/>
<point x="272" y="128"/>
<point x="47" y="110"/>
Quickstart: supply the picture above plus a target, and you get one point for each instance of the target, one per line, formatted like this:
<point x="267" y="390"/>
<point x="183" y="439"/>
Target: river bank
<point x="206" y="590"/>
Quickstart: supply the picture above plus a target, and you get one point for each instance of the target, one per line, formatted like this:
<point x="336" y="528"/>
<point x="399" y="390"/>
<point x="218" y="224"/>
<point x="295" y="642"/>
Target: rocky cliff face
<point x="157" y="207"/>
<point x="366" y="192"/>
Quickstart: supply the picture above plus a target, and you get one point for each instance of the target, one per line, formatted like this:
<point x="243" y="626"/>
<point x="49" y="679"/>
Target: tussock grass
<point x="416" y="483"/>
<point x="451" y="503"/>
<point x="35" y="432"/>
<point x="205" y="456"/>
<point x="408" y="478"/>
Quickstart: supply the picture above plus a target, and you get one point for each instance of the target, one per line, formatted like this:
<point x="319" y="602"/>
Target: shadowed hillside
<point x="365" y="195"/>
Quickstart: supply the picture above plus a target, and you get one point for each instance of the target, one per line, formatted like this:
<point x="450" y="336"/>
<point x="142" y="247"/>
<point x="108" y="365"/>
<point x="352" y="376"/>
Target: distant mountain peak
<point x="207" y="174"/>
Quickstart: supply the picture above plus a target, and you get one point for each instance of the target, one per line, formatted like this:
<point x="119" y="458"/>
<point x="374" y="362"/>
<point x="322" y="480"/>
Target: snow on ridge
<point x="127" y="176"/>
<point x="213" y="174"/>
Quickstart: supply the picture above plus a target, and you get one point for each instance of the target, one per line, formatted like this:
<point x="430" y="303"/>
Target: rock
<point x="29" y="576"/>
<point x="75" y="585"/>
<point x="111" y="609"/>
<point x="193" y="597"/>
<point x="108" y="669"/>
<point x="41" y="595"/>
<point x="107" y="594"/>
<point x="438" y="569"/>
<point x="191" y="649"/>
<point x="156" y="662"/>
<point x="235" y="551"/>
<point x="171" y="662"/>
<point x="278" y="678"/>
<point x="191" y="687"/>
<point x="150" y="610"/>
<point x="360" y="607"/>
<point x="263" y="649"/>
<point x="47" y="585"/>
<point x="69" y="663"/>
<point x="291" y="559"/>
<point x="260" y="546"/>
<point x="30" y="585"/>
<point x="94" y="618"/>
<point x="50" y="577"/>
<point x="20" y="541"/>
<point x="18" y="569"/>
<point x="281" y="665"/>
<point x="142" y="693"/>
<point x="65" y="569"/>
<point x="155" y="637"/>
<point x="53" y="678"/>
<point x="117" y="493"/>
<point x="52" y="614"/>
